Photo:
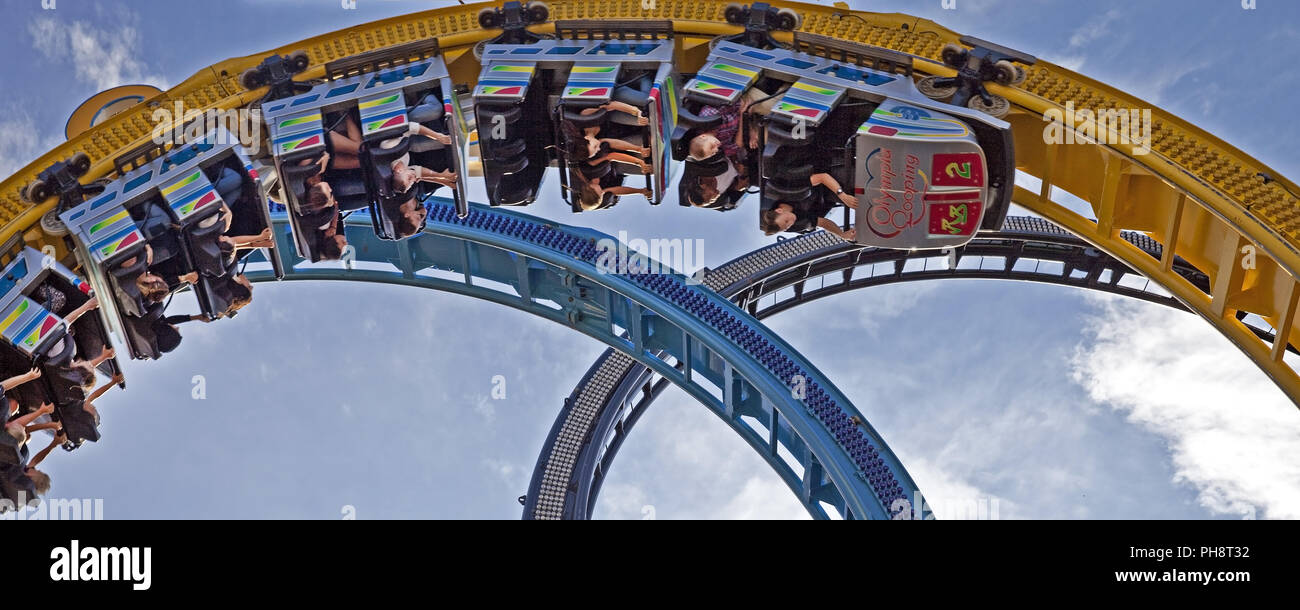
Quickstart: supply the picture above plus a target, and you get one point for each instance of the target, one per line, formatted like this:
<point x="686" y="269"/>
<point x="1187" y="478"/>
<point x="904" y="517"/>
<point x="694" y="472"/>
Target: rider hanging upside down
<point x="810" y="214"/>
<point x="347" y="155"/>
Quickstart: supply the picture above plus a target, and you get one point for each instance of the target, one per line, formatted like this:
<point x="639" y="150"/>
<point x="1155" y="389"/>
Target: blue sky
<point x="321" y="396"/>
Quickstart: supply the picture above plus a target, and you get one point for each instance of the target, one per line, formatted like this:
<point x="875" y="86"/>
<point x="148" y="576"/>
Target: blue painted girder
<point x="738" y="368"/>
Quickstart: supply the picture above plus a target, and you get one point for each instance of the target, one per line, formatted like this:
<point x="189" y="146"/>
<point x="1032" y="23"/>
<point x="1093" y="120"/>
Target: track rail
<point x="815" y="440"/>
<point x="600" y="413"/>
<point x="1198" y="195"/>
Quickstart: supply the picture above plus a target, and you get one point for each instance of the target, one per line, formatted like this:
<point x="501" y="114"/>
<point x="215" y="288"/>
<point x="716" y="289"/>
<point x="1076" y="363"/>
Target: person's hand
<point x="645" y="151"/>
<point x="442" y="138"/>
<point x="61" y="437"/>
<point x="118" y="378"/>
<point x="849" y="200"/>
<point x="646" y="168"/>
<point x="641" y="120"/>
<point x="92" y="303"/>
<point x="35" y="373"/>
<point x="46" y="408"/>
<point x="109" y="354"/>
<point x="851" y="235"/>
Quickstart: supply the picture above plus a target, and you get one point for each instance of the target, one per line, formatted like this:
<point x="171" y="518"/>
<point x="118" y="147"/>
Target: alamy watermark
<point x="51" y="509"/>
<point x="1114" y="126"/>
<point x="919" y="508"/>
<point x="178" y="124"/>
<point x="637" y="256"/>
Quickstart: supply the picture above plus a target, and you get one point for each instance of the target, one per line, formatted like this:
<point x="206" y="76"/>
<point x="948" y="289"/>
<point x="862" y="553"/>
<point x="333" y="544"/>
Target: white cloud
<point x="101" y="57"/>
<point x="1231" y="434"/>
<point x="762" y="497"/>
<point x="951" y="497"/>
<point x="1094" y="29"/>
<point x="20" y="140"/>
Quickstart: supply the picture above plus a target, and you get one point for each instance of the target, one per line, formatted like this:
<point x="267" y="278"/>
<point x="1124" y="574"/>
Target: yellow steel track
<point x="1194" y="193"/>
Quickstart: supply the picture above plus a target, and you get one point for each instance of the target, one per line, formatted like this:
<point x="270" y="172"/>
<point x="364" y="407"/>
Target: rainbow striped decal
<point x="507" y="90"/>
<point x="508" y="81"/>
<point x="191" y="203"/>
<point x="586" y="92"/>
<point x="801" y="109"/>
<point x="106" y="223"/>
<point x="815" y="89"/>
<point x="511" y="69"/>
<point x="171" y="189"/>
<point x="384" y="111"/>
<point x="744" y="73"/>
<point x="298" y="121"/>
<point x="723" y="81"/>
<point x="808" y="101"/>
<point x="299" y="143"/>
<point x="297" y="133"/>
<point x="910" y="122"/>
<point x="38" y="329"/>
<point x="727" y="93"/>
<point x="117" y="242"/>
<point x="591" y="82"/>
<point x="498" y="69"/>
<point x="23" y="305"/>
<point x="189" y="194"/>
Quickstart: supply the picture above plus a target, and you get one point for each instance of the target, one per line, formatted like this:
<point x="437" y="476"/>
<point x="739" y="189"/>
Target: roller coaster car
<point x="926" y="174"/>
<point x="35" y="336"/>
<point x="584" y="81"/>
<point x="174" y="204"/>
<point x="380" y="96"/>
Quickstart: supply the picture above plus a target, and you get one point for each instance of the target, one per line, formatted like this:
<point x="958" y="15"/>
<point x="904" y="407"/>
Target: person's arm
<point x="45" y="426"/>
<point x="247" y="242"/>
<point x="81" y="311"/>
<point x="25" y="420"/>
<point x="828" y="181"/>
<point x="104" y="355"/>
<point x="627" y="109"/>
<point x="830" y="226"/>
<point x="40" y="457"/>
<point x="99" y="391"/>
<point x="18" y="380"/>
<point x="626" y="158"/>
<point x="183" y="318"/>
<point x="148" y="255"/>
<point x="624" y="145"/>
<point x="323" y="161"/>
<point x="189" y="278"/>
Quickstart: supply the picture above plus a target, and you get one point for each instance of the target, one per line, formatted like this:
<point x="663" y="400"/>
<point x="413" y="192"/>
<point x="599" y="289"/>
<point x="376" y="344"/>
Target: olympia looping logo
<point x="113" y="564"/>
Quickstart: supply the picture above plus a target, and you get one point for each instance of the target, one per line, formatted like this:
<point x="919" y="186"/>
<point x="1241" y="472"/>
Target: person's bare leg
<point x="346" y="143"/>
